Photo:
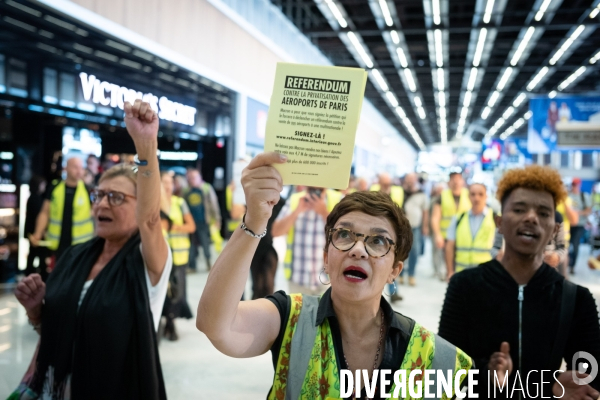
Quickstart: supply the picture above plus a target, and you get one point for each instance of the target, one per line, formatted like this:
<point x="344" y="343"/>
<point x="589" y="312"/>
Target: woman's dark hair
<point x="34" y="183"/>
<point x="376" y="204"/>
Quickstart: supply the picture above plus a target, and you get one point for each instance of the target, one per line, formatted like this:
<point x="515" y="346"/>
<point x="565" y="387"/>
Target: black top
<point x="396" y="339"/>
<point x="108" y="344"/>
<point x="66" y="234"/>
<point x="34" y="205"/>
<point x="481" y="310"/>
<point x="266" y="243"/>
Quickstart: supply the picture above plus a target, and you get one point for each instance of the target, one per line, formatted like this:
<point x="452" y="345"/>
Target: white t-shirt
<point x="156" y="294"/>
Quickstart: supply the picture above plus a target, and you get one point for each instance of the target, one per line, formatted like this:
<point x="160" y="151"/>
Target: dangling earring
<point x="321" y="280"/>
<point x="395" y="289"/>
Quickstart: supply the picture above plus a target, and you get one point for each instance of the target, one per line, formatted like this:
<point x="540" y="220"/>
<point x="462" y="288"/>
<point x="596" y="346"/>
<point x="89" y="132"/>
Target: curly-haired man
<point x="519" y="318"/>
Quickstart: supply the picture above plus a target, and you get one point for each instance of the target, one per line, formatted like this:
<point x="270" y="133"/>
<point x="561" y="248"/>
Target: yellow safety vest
<point x="566" y="224"/>
<point x="596" y="200"/>
<point x="472" y="252"/>
<point x="449" y="208"/>
<point x="179" y="242"/>
<point x="307" y="367"/>
<point x="232" y="224"/>
<point x="83" y="226"/>
<point x="333" y="197"/>
<point x="396" y="193"/>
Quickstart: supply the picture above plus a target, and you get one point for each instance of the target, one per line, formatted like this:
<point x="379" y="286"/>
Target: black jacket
<point x="481" y="310"/>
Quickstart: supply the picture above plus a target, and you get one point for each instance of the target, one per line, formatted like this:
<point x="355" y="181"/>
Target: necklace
<point x="376" y="354"/>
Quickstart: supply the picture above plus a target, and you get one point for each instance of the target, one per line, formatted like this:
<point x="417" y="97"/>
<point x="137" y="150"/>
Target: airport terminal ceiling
<point x="461" y="67"/>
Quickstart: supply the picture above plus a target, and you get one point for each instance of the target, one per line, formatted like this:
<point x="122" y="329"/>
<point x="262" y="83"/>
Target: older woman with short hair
<point x="99" y="311"/>
<point x="350" y="327"/>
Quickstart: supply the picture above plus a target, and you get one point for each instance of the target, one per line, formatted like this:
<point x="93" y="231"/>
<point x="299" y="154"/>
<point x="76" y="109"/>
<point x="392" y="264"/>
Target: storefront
<point x="62" y="92"/>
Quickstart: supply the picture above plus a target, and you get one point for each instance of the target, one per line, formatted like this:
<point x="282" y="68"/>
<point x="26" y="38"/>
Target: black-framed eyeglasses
<point x="376" y="245"/>
<point x="114" y="198"/>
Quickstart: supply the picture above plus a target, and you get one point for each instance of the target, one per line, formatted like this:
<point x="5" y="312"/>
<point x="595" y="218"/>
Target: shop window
<point x="2" y="75"/>
<point x="564" y="159"/>
<point x="17" y="77"/>
<point x="50" y="86"/>
<point x="66" y="90"/>
<point x="587" y="159"/>
<point x="547" y="159"/>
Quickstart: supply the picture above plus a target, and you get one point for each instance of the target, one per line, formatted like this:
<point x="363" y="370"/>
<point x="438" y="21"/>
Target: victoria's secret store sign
<point x="109" y="94"/>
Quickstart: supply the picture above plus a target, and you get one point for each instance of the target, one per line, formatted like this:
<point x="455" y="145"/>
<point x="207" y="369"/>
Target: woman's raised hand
<point x="262" y="184"/>
<point x="30" y="292"/>
<point x="141" y="121"/>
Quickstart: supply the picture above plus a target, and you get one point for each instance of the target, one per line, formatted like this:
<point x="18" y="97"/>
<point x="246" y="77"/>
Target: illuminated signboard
<point x="109" y="94"/>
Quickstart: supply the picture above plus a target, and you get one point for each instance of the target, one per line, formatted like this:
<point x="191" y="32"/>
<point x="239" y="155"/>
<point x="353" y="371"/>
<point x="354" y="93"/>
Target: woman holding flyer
<point x="351" y="327"/>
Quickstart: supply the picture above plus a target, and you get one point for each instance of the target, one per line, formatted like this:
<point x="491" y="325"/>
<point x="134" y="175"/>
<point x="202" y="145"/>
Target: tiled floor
<point x="192" y="367"/>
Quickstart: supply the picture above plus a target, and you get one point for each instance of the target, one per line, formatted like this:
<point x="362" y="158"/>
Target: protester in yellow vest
<point x="385" y="186"/>
<point x="182" y="224"/>
<point x="452" y="201"/>
<point x="66" y="212"/>
<point x="302" y="219"/>
<point x="351" y="327"/>
<point x="236" y="211"/>
<point x="470" y="235"/>
<point x="204" y="207"/>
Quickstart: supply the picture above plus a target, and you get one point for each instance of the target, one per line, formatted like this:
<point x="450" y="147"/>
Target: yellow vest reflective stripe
<point x="82" y="224"/>
<point x="333" y="197"/>
<point x="472" y="252"/>
<point x="179" y="242"/>
<point x="307" y="367"/>
<point x="449" y="208"/>
<point x="566" y="224"/>
<point x="396" y="193"/>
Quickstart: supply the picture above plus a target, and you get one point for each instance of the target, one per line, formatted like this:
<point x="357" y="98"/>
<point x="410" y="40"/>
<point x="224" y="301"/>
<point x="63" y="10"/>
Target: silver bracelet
<point x="249" y="231"/>
<point x="143" y="163"/>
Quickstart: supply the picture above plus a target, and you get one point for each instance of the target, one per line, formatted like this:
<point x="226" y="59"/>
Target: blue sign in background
<point x="256" y="119"/>
<point x="546" y="112"/>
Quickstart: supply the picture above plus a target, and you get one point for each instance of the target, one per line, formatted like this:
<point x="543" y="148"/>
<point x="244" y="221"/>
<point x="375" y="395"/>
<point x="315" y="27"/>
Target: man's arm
<point x="572" y="215"/>
<point x="436" y="217"/>
<point x="283" y="225"/>
<point x="215" y="206"/>
<point x="449" y="248"/>
<point x="587" y="206"/>
<point x="41" y="222"/>
<point x="425" y="223"/>
<point x="286" y="220"/>
<point x="449" y="256"/>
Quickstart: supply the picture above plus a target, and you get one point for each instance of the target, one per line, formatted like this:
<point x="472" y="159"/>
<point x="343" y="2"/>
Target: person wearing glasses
<point x="350" y="326"/>
<point x="98" y="313"/>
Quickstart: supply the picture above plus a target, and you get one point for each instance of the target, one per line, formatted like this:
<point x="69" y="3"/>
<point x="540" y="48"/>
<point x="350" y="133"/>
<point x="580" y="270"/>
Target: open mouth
<point x="104" y="219"/>
<point x="527" y="234"/>
<point x="355" y="274"/>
